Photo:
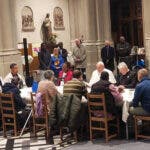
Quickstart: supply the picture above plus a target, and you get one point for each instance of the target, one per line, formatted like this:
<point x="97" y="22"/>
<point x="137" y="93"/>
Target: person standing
<point x="44" y="57"/>
<point x="123" y="51"/>
<point x="108" y="55"/>
<point x="63" y="52"/>
<point x="79" y="56"/>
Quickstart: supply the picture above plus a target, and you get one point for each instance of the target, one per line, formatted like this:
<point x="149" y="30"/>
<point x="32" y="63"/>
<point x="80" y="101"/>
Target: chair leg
<point x="91" y="136"/>
<point x="118" y="127"/>
<point x="4" y="130"/>
<point x="75" y="136"/>
<point x="106" y="132"/>
<point x="61" y="134"/>
<point x="136" y="127"/>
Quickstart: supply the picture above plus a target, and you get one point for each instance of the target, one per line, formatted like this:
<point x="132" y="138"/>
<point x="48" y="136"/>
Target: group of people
<point x="57" y="61"/>
<point x="73" y="79"/>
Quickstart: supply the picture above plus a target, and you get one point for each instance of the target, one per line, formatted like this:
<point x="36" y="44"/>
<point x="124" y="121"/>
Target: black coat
<point x="108" y="55"/>
<point x="103" y="87"/>
<point x="44" y="60"/>
<point x="11" y="88"/>
<point x="129" y="80"/>
<point x="63" y="52"/>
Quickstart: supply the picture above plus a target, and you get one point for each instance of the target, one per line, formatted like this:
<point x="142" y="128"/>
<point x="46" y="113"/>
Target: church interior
<point x="90" y="36"/>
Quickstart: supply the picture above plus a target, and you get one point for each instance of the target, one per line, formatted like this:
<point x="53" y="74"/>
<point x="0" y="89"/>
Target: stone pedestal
<point x="90" y="18"/>
<point x="8" y="51"/>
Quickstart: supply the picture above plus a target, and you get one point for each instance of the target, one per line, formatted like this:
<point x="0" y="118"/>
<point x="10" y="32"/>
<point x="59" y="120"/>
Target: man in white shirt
<point x="13" y="72"/>
<point x="97" y="73"/>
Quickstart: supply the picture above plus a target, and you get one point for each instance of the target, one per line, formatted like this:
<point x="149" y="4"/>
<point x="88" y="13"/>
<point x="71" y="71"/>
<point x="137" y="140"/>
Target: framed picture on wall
<point x="58" y="19"/>
<point x="27" y="19"/>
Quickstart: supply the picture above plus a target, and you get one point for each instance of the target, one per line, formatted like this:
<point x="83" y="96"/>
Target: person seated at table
<point x="56" y="61"/>
<point x="66" y="74"/>
<point x="14" y="73"/>
<point x="48" y="87"/>
<point x="104" y="85"/>
<point x="141" y="100"/>
<point x="20" y="105"/>
<point x="127" y="78"/>
<point x="97" y="73"/>
<point x="76" y="85"/>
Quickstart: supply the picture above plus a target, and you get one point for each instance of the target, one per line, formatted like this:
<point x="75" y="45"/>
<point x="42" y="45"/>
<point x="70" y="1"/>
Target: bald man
<point x="100" y="67"/>
<point x="108" y="55"/>
<point x="79" y="56"/>
<point x="141" y="100"/>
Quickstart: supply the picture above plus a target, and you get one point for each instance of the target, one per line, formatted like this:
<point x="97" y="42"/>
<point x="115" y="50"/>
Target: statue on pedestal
<point x="47" y="29"/>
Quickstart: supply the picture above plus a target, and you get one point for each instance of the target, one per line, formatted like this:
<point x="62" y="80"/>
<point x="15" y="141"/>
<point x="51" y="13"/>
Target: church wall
<point x="40" y="8"/>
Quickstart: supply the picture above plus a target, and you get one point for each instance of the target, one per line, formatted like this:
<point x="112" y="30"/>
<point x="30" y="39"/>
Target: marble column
<point x="90" y="19"/>
<point x="146" y="27"/>
<point x="8" y="51"/>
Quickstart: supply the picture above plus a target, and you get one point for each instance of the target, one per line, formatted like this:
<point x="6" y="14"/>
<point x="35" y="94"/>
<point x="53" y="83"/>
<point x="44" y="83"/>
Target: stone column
<point x="146" y="27"/>
<point x="87" y="18"/>
<point x="8" y="51"/>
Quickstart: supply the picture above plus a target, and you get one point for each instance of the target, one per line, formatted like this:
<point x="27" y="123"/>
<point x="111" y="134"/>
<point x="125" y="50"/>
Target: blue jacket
<point x="56" y="62"/>
<point x="142" y="94"/>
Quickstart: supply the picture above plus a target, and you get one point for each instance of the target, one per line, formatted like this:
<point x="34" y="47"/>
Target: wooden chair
<point x="98" y="114"/>
<point x="8" y="112"/>
<point x="40" y="122"/>
<point x="137" y="129"/>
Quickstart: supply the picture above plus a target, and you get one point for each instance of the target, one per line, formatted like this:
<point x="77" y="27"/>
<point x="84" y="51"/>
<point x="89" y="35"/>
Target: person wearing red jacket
<point x="66" y="74"/>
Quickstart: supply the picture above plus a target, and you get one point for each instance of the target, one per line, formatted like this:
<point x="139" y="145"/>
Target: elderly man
<point x="127" y="78"/>
<point x="97" y="73"/>
<point x="141" y="95"/>
<point x="79" y="56"/>
<point x="14" y="73"/>
<point x="108" y="55"/>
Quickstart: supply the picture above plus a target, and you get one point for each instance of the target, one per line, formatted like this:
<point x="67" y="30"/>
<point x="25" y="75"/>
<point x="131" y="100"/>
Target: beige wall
<point x="146" y="26"/>
<point x="40" y="8"/>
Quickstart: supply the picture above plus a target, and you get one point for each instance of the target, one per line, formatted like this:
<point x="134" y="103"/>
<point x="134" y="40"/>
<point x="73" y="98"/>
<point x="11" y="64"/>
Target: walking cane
<point x="25" y="123"/>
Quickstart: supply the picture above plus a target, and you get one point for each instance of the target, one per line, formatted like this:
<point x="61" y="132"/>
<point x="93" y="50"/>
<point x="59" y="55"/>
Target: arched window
<point x="27" y="19"/>
<point x="58" y="18"/>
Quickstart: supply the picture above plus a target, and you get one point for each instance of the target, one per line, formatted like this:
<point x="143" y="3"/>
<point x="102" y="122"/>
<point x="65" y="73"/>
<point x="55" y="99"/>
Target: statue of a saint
<point x="47" y="29"/>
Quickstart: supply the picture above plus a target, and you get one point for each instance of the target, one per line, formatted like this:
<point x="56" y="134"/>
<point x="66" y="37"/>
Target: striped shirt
<point x="75" y="87"/>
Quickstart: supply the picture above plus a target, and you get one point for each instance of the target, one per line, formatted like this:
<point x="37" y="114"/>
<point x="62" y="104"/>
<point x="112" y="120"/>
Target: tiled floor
<point x="27" y="143"/>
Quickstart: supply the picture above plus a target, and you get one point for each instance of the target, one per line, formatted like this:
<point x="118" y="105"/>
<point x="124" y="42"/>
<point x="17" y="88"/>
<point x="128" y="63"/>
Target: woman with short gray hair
<point x="48" y="87"/>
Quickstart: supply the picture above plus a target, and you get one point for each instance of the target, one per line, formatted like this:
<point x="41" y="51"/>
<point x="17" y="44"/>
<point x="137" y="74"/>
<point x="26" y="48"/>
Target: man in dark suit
<point x="63" y="52"/>
<point x="108" y="55"/>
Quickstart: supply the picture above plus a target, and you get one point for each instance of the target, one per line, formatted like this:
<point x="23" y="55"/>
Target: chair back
<point x="8" y="112"/>
<point x="44" y="113"/>
<point x="96" y="105"/>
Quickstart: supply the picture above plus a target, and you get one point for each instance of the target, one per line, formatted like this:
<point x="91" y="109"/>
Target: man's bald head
<point x="77" y="42"/>
<point x="142" y="73"/>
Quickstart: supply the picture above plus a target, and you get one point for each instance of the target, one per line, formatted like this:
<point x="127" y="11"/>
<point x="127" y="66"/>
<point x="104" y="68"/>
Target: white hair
<point x="122" y="65"/>
<point x="99" y="63"/>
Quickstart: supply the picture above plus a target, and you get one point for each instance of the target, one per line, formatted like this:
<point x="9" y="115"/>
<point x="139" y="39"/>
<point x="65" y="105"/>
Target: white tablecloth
<point x="128" y="95"/>
<point x="26" y="93"/>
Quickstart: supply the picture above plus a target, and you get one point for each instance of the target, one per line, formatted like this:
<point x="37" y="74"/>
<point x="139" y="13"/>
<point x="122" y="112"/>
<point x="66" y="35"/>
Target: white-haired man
<point x="97" y="73"/>
<point x="79" y="56"/>
<point x="127" y="78"/>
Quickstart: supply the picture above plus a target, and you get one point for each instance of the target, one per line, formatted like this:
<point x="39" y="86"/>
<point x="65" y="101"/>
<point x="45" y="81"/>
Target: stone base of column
<point x="93" y="56"/>
<point x="6" y="58"/>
